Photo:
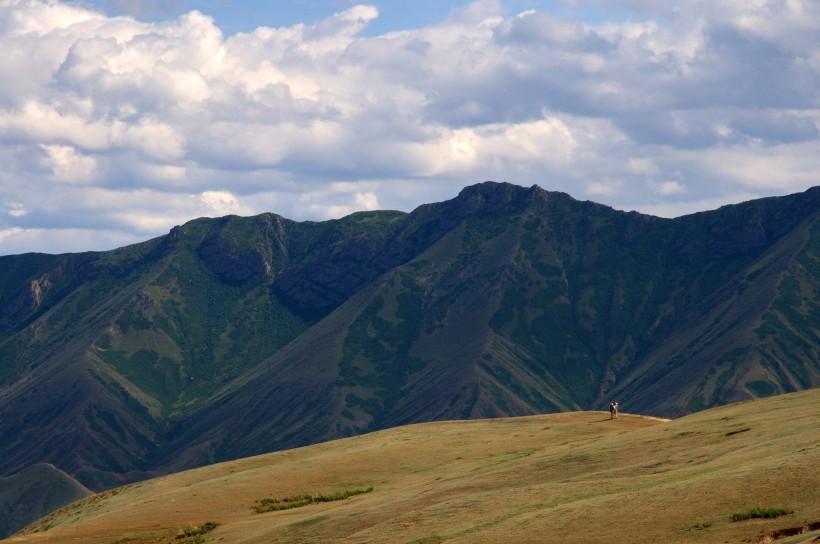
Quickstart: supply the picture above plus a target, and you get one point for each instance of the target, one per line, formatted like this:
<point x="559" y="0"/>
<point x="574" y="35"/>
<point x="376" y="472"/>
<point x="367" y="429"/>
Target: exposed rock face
<point x="31" y="297"/>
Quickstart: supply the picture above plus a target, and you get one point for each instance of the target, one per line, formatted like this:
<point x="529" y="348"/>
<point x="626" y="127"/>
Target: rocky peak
<point x="500" y="197"/>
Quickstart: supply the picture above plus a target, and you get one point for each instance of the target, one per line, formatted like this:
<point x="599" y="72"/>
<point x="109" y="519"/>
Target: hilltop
<point x="236" y="336"/>
<point x="34" y="492"/>
<point x="570" y="478"/>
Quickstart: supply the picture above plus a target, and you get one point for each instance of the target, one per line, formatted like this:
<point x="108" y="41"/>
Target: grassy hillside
<point x="570" y="478"/>
<point x="33" y="493"/>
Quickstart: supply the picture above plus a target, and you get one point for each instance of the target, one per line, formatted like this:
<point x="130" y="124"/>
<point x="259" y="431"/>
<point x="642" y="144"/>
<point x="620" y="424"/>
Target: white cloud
<point x="767" y="168"/>
<point x="16" y="209"/>
<point x="113" y="125"/>
<point x="338" y="200"/>
<point x="7" y="234"/>
<point x="367" y="202"/>
<point x="23" y="17"/>
<point x="641" y="166"/>
<point x="677" y="209"/>
<point x="68" y="165"/>
<point x="603" y="188"/>
<point x="62" y="240"/>
<point x="670" y="187"/>
<point x="221" y="202"/>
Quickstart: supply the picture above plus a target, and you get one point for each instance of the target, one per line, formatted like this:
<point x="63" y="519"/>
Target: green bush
<point x="272" y="505"/>
<point x="753" y="513"/>
<point x="197" y="532"/>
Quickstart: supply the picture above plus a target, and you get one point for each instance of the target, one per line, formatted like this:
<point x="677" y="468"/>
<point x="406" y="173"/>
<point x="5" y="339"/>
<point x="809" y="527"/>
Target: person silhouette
<point x="613" y="409"/>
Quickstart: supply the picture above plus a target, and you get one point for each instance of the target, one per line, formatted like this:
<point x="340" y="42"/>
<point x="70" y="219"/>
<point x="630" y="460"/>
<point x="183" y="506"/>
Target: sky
<point x="122" y="118"/>
<point x="245" y="16"/>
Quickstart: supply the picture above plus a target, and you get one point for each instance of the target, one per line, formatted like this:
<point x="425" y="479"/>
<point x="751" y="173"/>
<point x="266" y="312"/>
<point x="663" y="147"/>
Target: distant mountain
<point x="33" y="493"/>
<point x="234" y="336"/>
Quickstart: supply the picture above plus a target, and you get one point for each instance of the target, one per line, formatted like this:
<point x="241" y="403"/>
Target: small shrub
<point x="341" y="495"/>
<point x="754" y="513"/>
<point x="197" y="532"/>
<point x="272" y="505"/>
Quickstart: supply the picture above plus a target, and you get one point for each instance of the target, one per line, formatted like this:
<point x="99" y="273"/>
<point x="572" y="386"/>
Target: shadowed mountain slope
<point x="33" y="493"/>
<point x="235" y="336"/>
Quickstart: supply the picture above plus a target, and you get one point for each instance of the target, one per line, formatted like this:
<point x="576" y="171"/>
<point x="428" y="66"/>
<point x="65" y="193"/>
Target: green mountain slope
<point x="537" y="305"/>
<point x="103" y="350"/>
<point x="235" y="336"/>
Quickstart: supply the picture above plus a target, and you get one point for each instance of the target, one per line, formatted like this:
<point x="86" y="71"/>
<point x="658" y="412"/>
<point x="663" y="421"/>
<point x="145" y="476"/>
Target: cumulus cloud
<point x="114" y="129"/>
<point x="337" y="200"/>
<point x="222" y="202"/>
<point x="669" y="187"/>
<point x="68" y="165"/>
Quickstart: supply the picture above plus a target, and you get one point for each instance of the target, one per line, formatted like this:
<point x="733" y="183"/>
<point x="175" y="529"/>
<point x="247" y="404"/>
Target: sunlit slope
<point x="573" y="477"/>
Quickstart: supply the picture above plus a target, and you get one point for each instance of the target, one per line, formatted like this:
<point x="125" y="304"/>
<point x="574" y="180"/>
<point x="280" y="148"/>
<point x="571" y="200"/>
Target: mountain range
<point x="235" y="336"/>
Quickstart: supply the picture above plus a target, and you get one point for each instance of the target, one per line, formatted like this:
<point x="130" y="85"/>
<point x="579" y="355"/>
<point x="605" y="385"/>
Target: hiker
<point x="613" y="409"/>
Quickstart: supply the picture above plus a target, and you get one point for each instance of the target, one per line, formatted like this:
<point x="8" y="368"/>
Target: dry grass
<point x="569" y="478"/>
